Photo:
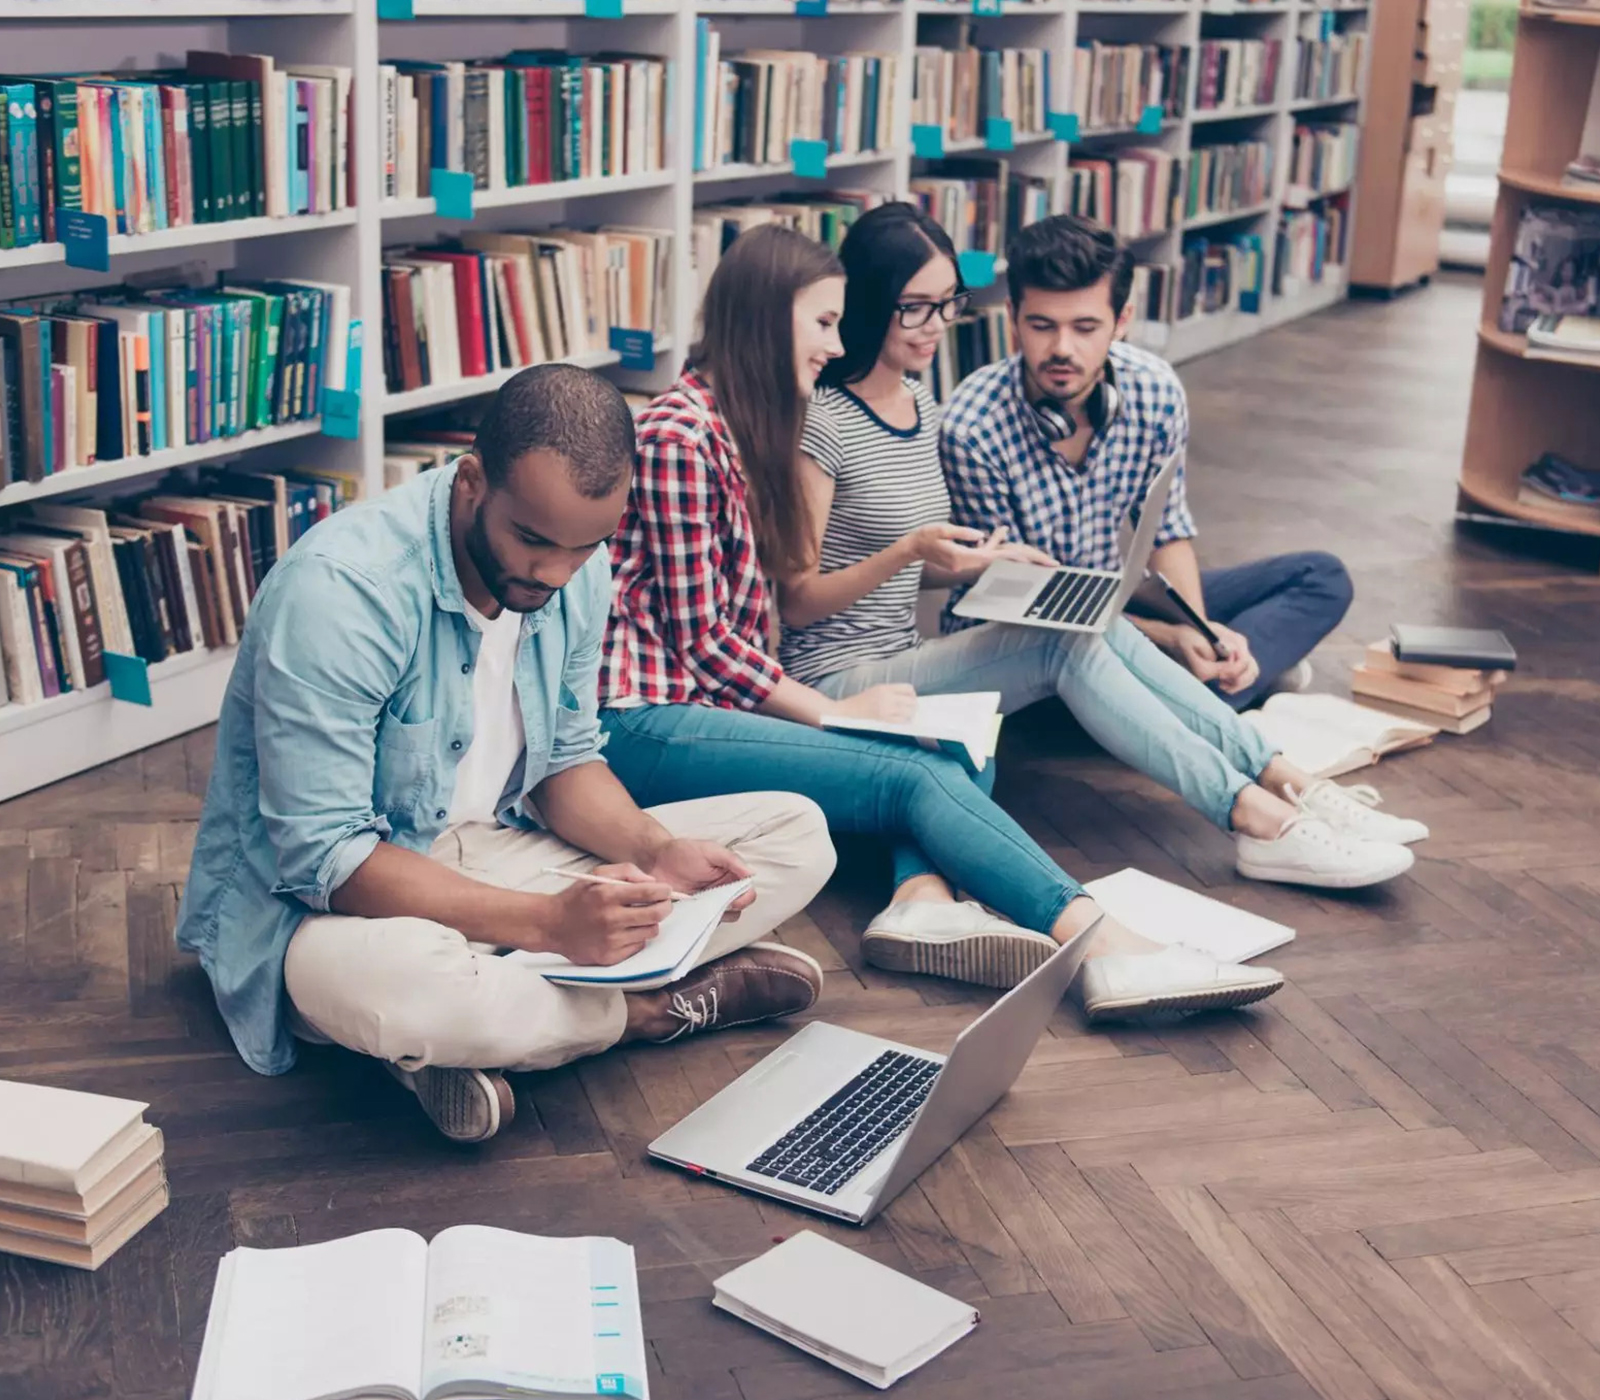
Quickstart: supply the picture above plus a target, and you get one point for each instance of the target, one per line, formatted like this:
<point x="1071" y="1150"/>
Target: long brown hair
<point x="746" y="346"/>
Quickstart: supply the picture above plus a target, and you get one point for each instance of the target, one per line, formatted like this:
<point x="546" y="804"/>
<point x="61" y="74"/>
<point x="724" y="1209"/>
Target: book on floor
<point x="1447" y="724"/>
<point x="1479" y="648"/>
<point x="93" y="1249"/>
<point x="1458" y="680"/>
<point x="966" y="726"/>
<point x="1166" y="913"/>
<point x="1368" y="682"/>
<point x="667" y="957"/>
<point x="844" y="1308"/>
<point x="479" y="1312"/>
<point x="1328" y="735"/>
<point x="61" y="1139"/>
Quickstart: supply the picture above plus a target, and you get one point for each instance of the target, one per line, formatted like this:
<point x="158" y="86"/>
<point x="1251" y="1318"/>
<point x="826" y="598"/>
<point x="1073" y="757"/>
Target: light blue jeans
<point x="1133" y="699"/>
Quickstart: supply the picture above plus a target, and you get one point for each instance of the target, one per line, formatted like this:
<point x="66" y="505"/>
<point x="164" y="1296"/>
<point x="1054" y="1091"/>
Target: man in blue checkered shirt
<point x="1059" y="443"/>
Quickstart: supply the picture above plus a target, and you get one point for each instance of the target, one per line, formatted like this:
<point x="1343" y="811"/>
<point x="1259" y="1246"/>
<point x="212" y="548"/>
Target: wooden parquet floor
<point x="1383" y="1183"/>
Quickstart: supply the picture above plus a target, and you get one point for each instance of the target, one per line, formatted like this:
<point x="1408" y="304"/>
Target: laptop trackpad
<point x="1004" y="588"/>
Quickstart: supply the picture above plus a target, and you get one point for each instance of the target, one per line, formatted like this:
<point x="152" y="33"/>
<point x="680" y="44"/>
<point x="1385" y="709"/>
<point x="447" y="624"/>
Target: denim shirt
<point x="349" y="707"/>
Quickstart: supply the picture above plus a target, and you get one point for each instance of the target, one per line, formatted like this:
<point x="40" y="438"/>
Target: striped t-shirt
<point x="886" y="482"/>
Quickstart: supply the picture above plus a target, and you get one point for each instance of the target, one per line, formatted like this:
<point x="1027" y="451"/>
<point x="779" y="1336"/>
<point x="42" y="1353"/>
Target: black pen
<point x="1198" y="622"/>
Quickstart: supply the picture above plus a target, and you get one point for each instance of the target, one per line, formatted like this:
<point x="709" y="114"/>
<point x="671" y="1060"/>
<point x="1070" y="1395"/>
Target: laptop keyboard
<point x="1073" y="597"/>
<point x="834" y="1142"/>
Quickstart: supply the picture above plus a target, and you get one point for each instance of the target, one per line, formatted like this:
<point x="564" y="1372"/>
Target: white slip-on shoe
<point x="1296" y="679"/>
<point x="466" y="1105"/>
<point x="963" y="941"/>
<point x="1353" y="811"/>
<point x="1308" y="851"/>
<point x="1122" y="985"/>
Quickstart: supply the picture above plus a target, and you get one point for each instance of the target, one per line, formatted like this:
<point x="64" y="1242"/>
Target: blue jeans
<point x="1134" y="700"/>
<point x="1284" y="606"/>
<point x="947" y="822"/>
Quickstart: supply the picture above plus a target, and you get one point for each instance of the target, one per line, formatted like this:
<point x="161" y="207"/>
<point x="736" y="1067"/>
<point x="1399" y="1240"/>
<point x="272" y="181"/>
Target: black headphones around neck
<point x="1055" y="419"/>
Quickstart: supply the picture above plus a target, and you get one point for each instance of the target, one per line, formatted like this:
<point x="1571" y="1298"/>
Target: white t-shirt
<point x="497" y="737"/>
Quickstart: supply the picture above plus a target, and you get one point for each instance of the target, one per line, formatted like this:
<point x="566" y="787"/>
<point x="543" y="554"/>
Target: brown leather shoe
<point x="466" y="1105"/>
<point x="754" y="984"/>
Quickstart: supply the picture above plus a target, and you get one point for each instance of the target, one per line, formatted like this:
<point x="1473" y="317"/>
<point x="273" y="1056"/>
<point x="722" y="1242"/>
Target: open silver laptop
<point x="841" y="1123"/>
<point x="1071" y="599"/>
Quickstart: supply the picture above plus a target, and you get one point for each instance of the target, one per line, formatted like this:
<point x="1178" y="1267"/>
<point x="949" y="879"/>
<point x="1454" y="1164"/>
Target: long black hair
<point x="885" y="248"/>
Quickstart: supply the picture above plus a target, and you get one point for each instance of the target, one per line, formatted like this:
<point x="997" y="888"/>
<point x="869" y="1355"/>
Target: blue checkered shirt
<point x="1002" y="471"/>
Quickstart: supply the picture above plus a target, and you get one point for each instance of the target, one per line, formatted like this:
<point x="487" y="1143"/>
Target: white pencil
<point x="588" y="879"/>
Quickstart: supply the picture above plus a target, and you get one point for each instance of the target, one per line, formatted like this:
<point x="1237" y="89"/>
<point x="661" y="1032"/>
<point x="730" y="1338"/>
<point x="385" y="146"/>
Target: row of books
<point x="976" y="340"/>
<point x="1228" y="176"/>
<point x="1114" y="84"/>
<point x="1136" y="193"/>
<point x="1554" y="268"/>
<point x="502" y="301"/>
<point x="1562" y="487"/>
<point x="527" y="119"/>
<point x="103" y="376"/>
<point x="151" y="577"/>
<point x="1217" y="277"/>
<point x="227" y="136"/>
<point x="1236" y="73"/>
<point x="962" y="89"/>
<point x="1330" y="67"/>
<point x="981" y="202"/>
<point x="1308" y="243"/>
<point x="1323" y="157"/>
<point x="824" y="217"/>
<point x="1152" y="292"/>
<point x="750" y="106"/>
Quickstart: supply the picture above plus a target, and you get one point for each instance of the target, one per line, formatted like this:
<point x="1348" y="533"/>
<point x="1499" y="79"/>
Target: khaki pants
<point x="417" y="993"/>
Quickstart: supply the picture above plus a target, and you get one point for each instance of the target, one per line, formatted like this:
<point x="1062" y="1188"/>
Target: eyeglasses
<point x="914" y="315"/>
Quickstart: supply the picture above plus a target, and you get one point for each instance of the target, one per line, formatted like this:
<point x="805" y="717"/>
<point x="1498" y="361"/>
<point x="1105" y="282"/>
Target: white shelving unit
<point x="42" y="743"/>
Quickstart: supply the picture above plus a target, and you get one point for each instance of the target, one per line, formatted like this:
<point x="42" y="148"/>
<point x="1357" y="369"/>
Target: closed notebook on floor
<point x="1328" y="735"/>
<point x="60" y="1139"/>
<point x="481" y="1313"/>
<point x="845" y="1308"/>
<point x="1485" y="648"/>
<point x="1168" y="913"/>
<point x="967" y="727"/>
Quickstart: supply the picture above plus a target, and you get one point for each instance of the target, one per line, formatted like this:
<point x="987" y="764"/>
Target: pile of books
<point x="80" y="1174"/>
<point x="109" y="375"/>
<point x="1219" y="277"/>
<point x="1561" y="487"/>
<point x="968" y="197"/>
<point x="527" y="119"/>
<point x="1152" y="293"/>
<point x="1113" y="84"/>
<point x="1455" y="699"/>
<point x="824" y="217"/>
<point x="1327" y="68"/>
<point x="149" y="577"/>
<point x="1308" y="243"/>
<point x="1550" y="268"/>
<point x="1323" y="159"/>
<point x="228" y="136"/>
<point x="1574" y="339"/>
<point x="1228" y="176"/>
<point x="1135" y="193"/>
<point x="503" y="301"/>
<point x="1030" y="198"/>
<point x="420" y="448"/>
<point x="969" y="344"/>
<point x="1236" y="73"/>
<point x="962" y="88"/>
<point x="750" y="106"/>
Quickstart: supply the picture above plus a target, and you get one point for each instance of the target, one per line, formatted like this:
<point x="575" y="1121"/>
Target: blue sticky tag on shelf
<point x="452" y="193"/>
<point x="395" y="9"/>
<point x="84" y="240"/>
<point x="986" y="7"/>
<point x="997" y="135"/>
<point x="810" y="158"/>
<point x="637" y="348"/>
<point x="1325" y="19"/>
<point x="129" y="677"/>
<point x="341" y="413"/>
<point x="602" y="9"/>
<point x="1063" y="125"/>
<point x="811" y="8"/>
<point x="927" y="141"/>
<point x="1149" y="119"/>
<point x="977" y="269"/>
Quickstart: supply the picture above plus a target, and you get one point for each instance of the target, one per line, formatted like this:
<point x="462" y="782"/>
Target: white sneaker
<point x="963" y="941"/>
<point x="1310" y="852"/>
<point x="1121" y="985"/>
<point x="1296" y="679"/>
<point x="1350" y="810"/>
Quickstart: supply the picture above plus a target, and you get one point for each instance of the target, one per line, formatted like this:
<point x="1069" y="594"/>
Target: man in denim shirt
<point x="409" y="744"/>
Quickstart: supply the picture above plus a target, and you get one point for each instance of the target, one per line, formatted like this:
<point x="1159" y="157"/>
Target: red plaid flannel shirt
<point x="689" y="604"/>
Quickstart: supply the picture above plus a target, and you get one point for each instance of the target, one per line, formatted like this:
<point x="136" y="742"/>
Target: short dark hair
<point x="562" y="409"/>
<point x="884" y="249"/>
<point x="1066" y="253"/>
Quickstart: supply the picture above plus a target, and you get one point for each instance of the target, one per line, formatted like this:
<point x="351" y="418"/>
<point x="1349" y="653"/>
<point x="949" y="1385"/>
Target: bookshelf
<point x="1521" y="407"/>
<point x="47" y="741"/>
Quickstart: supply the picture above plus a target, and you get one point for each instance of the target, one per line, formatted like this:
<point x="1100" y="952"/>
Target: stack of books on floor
<point x="151" y="577"/>
<point x="80" y="1174"/>
<point x="1330" y="67"/>
<point x="1220" y="277"/>
<point x="1114" y="84"/>
<point x="976" y="340"/>
<point x="1228" y="176"/>
<point x="1456" y="699"/>
<point x="1323" y="159"/>
<point x="1236" y="73"/>
<point x="1308" y="243"/>
<point x="228" y="136"/>
<point x="1137" y="192"/>
<point x="1562" y="487"/>
<point x="110" y="375"/>
<point x="527" y="119"/>
<point x="504" y="301"/>
<point x="961" y="89"/>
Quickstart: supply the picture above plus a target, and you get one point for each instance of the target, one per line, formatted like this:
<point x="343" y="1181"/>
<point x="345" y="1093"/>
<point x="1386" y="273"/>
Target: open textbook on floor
<point x="1168" y="913"/>
<point x="481" y="1313"/>
<point x="966" y="727"/>
<point x="1328" y="735"/>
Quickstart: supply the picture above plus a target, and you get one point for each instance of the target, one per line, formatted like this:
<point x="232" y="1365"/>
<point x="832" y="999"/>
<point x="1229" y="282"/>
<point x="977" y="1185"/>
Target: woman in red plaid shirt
<point x="695" y="704"/>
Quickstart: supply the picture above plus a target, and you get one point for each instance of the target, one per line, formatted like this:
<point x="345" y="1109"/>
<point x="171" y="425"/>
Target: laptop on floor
<point x="841" y="1123"/>
<point x="1071" y="599"/>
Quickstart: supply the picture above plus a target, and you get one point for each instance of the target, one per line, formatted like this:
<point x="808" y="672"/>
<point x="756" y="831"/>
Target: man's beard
<point x="516" y="595"/>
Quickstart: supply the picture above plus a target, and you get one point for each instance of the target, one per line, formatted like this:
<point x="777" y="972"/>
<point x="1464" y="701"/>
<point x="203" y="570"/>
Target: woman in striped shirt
<point x="695" y="704"/>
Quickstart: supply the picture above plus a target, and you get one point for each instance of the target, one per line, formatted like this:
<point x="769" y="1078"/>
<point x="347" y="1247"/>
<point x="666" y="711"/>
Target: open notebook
<point x="1328" y="735"/>
<point x="481" y="1313"/>
<point x="1168" y="913"/>
<point x="964" y="726"/>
